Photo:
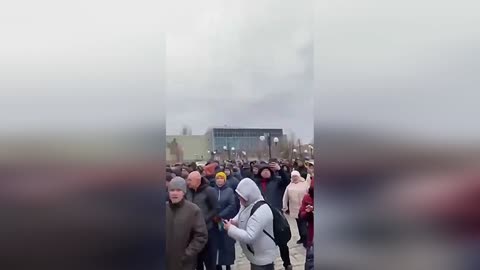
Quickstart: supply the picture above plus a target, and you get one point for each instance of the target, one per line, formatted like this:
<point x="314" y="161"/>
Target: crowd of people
<point x="211" y="208"/>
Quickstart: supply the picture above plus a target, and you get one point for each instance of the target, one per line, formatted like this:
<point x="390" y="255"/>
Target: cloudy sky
<point x="407" y="67"/>
<point x="81" y="66"/>
<point x="240" y="63"/>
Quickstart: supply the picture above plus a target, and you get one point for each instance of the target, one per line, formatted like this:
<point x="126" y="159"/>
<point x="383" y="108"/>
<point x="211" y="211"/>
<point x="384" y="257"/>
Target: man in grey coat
<point x="186" y="230"/>
<point x="205" y="197"/>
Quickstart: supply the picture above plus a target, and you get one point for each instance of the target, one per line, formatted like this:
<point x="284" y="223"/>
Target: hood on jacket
<point x="248" y="190"/>
<point x="265" y="167"/>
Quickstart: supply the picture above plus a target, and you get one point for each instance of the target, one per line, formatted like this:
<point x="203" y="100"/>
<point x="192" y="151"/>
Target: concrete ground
<point x="297" y="253"/>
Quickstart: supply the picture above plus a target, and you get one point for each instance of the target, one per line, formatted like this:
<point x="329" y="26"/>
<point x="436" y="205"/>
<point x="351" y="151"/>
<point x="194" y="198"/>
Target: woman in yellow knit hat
<point x="226" y="210"/>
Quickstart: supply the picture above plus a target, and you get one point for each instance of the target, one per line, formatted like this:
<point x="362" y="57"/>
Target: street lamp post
<point x="225" y="149"/>
<point x="212" y="154"/>
<point x="268" y="137"/>
<point x="233" y="149"/>
<point x="311" y="151"/>
<point x="295" y="152"/>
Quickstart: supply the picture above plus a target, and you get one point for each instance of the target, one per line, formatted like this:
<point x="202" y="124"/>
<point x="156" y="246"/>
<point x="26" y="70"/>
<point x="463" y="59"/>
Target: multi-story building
<point x="241" y="139"/>
<point x="185" y="148"/>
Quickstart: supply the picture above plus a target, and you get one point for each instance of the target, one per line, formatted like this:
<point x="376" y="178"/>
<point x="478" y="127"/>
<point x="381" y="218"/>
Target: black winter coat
<point x="205" y="198"/>
<point x="226" y="210"/>
<point x="275" y="187"/>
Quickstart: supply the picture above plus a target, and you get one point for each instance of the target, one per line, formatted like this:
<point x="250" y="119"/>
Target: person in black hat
<point x="272" y="182"/>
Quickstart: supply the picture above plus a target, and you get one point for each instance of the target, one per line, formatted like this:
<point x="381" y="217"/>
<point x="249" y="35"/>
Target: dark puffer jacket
<point x="274" y="188"/>
<point x="227" y="209"/>
<point x="205" y="197"/>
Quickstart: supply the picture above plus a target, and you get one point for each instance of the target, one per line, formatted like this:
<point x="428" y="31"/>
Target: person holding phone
<point x="272" y="182"/>
<point x="251" y="230"/>
<point x="306" y="213"/>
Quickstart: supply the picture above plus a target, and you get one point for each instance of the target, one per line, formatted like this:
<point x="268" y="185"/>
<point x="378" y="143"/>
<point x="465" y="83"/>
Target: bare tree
<point x="285" y="149"/>
<point x="291" y="144"/>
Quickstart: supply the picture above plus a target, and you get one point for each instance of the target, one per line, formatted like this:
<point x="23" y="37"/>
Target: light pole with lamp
<point x="233" y="150"/>
<point x="225" y="149"/>
<point x="268" y="138"/>
<point x="311" y="151"/>
<point x="212" y="154"/>
<point x="295" y="152"/>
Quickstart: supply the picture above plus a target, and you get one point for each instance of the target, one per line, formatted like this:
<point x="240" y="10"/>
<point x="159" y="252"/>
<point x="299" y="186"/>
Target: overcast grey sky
<point x="81" y="66"/>
<point x="240" y="63"/>
<point x="412" y="67"/>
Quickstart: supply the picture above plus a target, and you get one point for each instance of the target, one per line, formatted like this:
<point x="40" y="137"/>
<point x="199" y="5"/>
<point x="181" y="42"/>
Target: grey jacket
<point x="205" y="197"/>
<point x="250" y="229"/>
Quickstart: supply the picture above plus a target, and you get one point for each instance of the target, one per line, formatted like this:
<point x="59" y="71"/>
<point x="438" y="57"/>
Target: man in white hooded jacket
<point x="248" y="230"/>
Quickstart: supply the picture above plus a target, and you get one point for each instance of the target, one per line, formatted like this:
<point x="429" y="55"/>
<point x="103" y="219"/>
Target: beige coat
<point x="293" y="196"/>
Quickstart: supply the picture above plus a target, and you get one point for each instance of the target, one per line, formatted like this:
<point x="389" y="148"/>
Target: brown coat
<point x="186" y="235"/>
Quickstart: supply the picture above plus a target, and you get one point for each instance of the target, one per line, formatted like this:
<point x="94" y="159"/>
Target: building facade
<point x="241" y="139"/>
<point x="186" y="148"/>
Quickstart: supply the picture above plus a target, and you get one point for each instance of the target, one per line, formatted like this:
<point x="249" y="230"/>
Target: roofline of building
<point x="231" y="127"/>
<point x="180" y="135"/>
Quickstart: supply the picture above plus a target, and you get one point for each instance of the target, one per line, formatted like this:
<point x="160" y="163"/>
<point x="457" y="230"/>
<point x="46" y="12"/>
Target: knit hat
<point x="221" y="175"/>
<point x="295" y="173"/>
<point x="178" y="183"/>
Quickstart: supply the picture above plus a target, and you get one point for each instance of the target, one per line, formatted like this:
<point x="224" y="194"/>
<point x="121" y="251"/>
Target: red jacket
<point x="307" y="200"/>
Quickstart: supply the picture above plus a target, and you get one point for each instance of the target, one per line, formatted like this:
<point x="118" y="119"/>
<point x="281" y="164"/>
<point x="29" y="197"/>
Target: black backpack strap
<point x="256" y="206"/>
<point x="250" y="249"/>
<point x="271" y="237"/>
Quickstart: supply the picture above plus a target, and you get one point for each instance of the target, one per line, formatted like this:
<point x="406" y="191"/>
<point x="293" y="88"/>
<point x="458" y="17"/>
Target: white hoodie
<point x="250" y="229"/>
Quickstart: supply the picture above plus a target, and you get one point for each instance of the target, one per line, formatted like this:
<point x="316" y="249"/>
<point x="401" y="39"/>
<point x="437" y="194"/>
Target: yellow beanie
<point x="221" y="175"/>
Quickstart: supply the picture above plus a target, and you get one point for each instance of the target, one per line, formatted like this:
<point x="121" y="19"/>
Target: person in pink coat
<point x="292" y="201"/>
